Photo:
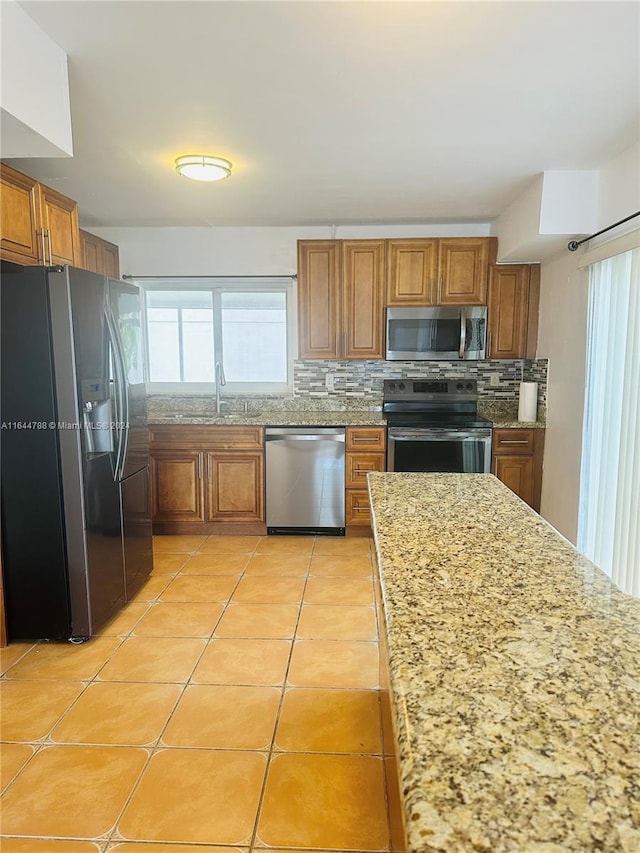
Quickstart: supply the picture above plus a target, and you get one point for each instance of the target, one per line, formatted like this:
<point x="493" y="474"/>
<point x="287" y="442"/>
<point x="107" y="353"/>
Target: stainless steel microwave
<point x="447" y="333"/>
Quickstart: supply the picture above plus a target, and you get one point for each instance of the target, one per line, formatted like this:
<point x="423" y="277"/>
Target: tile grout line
<point x="272" y="752"/>
<point x="156" y="748"/>
<point x="263" y="789"/>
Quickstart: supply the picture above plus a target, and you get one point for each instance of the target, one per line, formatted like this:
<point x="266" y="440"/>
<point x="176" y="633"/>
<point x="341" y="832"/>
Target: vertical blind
<point x="609" y="516"/>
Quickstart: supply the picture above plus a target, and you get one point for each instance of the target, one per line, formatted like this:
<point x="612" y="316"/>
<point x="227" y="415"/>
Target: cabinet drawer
<point x="358" y="465"/>
<point x="366" y="438"/>
<point x="514" y="441"/>
<point x="357" y="510"/>
<point x="208" y="437"/>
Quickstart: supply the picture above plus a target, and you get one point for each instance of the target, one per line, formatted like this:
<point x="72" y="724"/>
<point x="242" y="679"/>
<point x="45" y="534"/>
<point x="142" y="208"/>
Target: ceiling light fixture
<point x="201" y="167"/>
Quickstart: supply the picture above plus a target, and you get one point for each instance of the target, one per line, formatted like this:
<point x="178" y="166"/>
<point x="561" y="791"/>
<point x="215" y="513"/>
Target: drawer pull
<point x="363" y="470"/>
<point x="358" y="508"/>
<point x="369" y="439"/>
<point x="513" y="441"/>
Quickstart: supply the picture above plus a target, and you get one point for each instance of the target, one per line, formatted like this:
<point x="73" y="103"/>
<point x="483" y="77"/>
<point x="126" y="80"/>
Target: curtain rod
<point x="574" y="244"/>
<point x="205" y="277"/>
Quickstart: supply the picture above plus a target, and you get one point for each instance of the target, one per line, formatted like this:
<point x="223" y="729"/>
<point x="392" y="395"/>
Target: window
<point x="245" y="324"/>
<point x="608" y="529"/>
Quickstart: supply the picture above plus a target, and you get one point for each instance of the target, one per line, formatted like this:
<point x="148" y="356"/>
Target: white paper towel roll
<point x="528" y="401"/>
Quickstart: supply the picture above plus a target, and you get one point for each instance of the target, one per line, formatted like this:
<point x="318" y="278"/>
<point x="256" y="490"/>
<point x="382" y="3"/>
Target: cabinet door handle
<point x="50" y="249"/>
<point x="44" y="248"/>
<point x="488" y="352"/>
<point x="513" y="441"/>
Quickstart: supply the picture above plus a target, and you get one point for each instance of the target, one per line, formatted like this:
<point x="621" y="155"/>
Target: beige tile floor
<point x="235" y="702"/>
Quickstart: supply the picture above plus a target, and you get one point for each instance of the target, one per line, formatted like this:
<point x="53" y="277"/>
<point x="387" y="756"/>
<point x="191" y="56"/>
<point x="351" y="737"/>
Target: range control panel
<point x="420" y="389"/>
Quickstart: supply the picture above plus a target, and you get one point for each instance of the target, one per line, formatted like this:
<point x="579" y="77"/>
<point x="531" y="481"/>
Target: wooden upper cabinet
<point x="341" y="298"/>
<point x="39" y="225"/>
<point x="90" y="252"/>
<point x="59" y="219"/>
<point x="319" y="300"/>
<point x="18" y="217"/>
<point x="412" y="270"/>
<point x="363" y="298"/>
<point x="98" y="255"/>
<point x="514" y="293"/>
<point x="463" y="264"/>
<point x="110" y="259"/>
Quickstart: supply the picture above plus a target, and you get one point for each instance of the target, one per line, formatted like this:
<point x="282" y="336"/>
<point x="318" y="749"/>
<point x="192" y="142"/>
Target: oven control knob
<point x="392" y="386"/>
<point x="402" y="386"/>
<point x="469" y="386"/>
<point x="459" y="386"/>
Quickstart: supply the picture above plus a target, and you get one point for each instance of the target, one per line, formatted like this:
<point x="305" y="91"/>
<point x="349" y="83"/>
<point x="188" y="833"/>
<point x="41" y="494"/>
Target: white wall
<point x="620" y="188"/>
<point x="246" y="251"/>
<point x="34" y="90"/>
<point x="562" y="339"/>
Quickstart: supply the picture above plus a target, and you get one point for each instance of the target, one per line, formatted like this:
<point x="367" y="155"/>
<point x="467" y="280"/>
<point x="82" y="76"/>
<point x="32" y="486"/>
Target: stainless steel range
<point x="435" y="426"/>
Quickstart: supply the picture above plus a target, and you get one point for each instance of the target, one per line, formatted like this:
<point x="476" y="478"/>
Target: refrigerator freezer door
<point x="136" y="523"/>
<point x="82" y="352"/>
<point x="33" y="530"/>
<point x="126" y="307"/>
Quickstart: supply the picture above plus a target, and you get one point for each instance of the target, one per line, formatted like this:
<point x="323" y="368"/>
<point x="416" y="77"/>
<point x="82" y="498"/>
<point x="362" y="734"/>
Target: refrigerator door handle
<point x="119" y="396"/>
<point x="124" y="421"/>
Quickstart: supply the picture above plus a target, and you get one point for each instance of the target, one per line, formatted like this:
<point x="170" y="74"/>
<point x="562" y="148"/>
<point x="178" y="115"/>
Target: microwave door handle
<point x="463" y="333"/>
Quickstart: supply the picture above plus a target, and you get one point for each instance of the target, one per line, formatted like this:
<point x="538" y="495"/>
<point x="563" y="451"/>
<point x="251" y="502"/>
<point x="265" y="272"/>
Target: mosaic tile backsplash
<point x="497" y="380"/>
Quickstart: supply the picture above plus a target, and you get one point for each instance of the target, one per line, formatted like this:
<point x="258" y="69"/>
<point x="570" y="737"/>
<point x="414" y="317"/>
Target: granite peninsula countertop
<point x="515" y="674"/>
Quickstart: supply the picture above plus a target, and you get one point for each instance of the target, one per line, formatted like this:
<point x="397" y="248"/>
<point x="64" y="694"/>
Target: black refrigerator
<point x="75" y="500"/>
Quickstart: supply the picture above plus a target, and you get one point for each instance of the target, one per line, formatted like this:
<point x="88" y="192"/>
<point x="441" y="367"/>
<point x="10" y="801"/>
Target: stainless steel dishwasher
<point x="305" y="480"/>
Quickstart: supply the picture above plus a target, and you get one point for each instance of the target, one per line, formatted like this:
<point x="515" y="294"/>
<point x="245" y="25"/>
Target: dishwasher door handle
<point x="339" y="438"/>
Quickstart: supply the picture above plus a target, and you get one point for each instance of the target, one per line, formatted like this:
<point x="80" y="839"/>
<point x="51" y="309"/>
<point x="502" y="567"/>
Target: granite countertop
<point x="515" y="674"/>
<point x="512" y="423"/>
<point x="278" y="418"/>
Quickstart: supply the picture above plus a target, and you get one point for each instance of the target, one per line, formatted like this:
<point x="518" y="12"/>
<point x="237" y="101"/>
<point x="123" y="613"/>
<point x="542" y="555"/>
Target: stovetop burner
<point x="451" y="403"/>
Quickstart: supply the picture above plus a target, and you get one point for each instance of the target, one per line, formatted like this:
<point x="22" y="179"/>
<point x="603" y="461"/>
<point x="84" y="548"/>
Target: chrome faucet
<point x="220" y="381"/>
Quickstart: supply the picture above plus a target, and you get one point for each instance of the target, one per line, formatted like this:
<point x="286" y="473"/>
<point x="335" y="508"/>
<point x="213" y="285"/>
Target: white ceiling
<point x="335" y="112"/>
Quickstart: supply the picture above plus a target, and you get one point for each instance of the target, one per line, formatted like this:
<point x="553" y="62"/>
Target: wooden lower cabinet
<point x="365" y="452"/>
<point x="177" y="491"/>
<point x="207" y="479"/>
<point x="235" y="486"/>
<point x="517" y="462"/>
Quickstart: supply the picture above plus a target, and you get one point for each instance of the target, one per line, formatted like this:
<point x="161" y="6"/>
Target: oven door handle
<point x="440" y="435"/>
<point x="463" y="333"/>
